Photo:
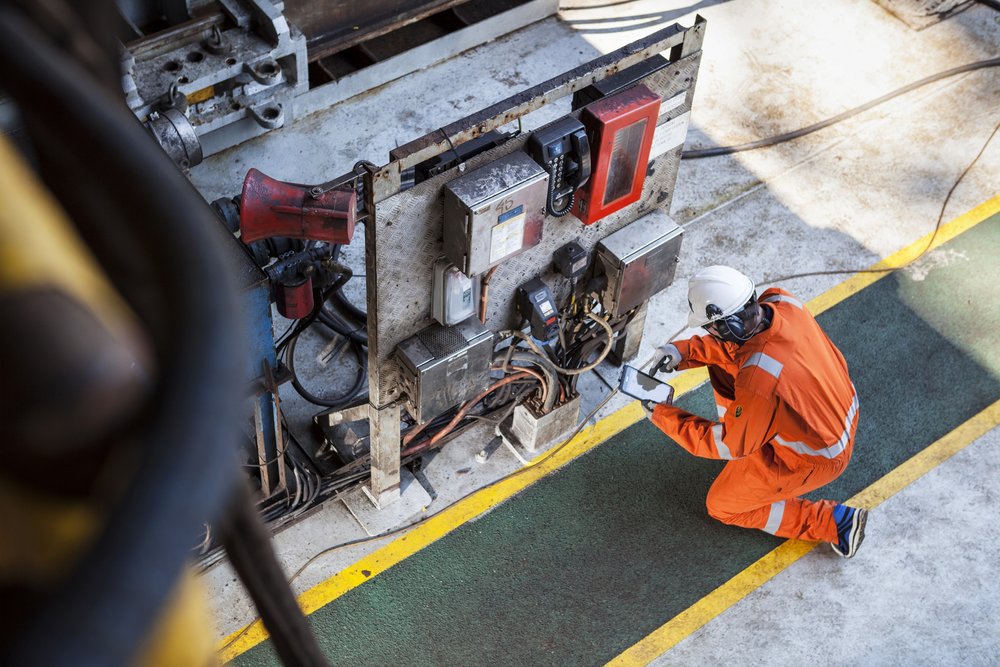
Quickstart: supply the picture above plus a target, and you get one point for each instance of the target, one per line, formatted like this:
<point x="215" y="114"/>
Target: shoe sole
<point x="857" y="534"/>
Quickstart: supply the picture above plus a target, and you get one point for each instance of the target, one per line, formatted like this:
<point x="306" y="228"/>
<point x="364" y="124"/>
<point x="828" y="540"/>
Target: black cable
<point x="356" y="391"/>
<point x="263" y="464"/>
<point x="335" y="323"/>
<point x="326" y="401"/>
<point x="248" y="545"/>
<point x="559" y="212"/>
<point x="284" y="334"/>
<point x="346" y="304"/>
<point x="930" y="241"/>
<point x="308" y="484"/>
<point x="185" y="447"/>
<point x="795" y="134"/>
<point x="391" y="533"/>
<point x="338" y="348"/>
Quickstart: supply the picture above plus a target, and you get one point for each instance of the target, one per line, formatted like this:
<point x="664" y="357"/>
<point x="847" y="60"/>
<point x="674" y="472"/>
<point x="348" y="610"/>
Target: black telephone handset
<point x="563" y="149"/>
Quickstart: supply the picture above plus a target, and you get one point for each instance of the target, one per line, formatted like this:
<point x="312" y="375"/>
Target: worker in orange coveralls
<point x="787" y="408"/>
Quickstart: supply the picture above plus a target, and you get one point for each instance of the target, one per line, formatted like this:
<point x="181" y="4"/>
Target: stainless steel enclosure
<point x="444" y="366"/>
<point x="639" y="261"/>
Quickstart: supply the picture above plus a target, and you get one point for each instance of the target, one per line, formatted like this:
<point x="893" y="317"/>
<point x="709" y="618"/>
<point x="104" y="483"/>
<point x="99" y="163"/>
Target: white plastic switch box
<point x="455" y="294"/>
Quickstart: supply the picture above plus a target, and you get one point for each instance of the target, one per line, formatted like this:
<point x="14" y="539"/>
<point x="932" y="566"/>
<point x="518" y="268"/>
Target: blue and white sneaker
<point x="850" y="529"/>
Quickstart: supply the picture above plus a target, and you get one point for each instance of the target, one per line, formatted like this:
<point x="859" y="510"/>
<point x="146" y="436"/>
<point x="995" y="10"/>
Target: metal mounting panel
<point x="406" y="236"/>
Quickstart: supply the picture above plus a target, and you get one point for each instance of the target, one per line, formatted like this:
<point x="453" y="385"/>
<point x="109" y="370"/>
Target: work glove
<point x="670" y="357"/>
<point x="648" y="407"/>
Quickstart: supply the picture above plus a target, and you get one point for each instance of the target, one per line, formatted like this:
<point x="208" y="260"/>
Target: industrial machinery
<point x="502" y="262"/>
<point x="501" y="266"/>
<point x="204" y="75"/>
<point x="582" y="290"/>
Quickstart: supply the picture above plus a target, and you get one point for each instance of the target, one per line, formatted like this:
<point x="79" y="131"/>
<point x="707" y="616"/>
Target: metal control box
<point x="494" y="212"/>
<point x="444" y="366"/>
<point x="639" y="260"/>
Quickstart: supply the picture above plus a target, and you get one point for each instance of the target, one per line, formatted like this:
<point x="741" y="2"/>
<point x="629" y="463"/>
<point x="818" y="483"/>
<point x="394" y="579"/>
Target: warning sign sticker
<point x="508" y="234"/>
<point x="670" y="135"/>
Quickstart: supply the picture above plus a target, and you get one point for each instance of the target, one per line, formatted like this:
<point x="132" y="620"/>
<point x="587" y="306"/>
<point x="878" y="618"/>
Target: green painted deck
<point x="586" y="562"/>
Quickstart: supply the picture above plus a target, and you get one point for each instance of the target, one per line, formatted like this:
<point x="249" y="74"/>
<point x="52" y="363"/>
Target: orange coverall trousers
<point x="762" y="490"/>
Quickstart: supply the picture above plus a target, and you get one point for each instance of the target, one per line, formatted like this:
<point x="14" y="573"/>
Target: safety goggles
<point x="718" y="328"/>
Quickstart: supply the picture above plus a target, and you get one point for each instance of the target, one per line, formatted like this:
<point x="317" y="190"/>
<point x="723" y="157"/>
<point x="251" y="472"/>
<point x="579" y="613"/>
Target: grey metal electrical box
<point x="494" y="212"/>
<point x="444" y="366"/>
<point x="639" y="260"/>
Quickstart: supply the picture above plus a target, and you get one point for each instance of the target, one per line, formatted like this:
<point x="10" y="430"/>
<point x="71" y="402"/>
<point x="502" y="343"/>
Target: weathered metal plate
<point x="406" y="236"/>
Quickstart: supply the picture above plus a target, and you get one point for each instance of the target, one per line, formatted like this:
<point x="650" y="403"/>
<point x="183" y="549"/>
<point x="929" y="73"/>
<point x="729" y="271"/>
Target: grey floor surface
<point x="921" y="590"/>
<point x="841" y="198"/>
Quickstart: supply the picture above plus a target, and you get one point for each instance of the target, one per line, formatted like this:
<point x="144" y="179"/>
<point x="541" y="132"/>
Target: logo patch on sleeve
<point x="739" y="410"/>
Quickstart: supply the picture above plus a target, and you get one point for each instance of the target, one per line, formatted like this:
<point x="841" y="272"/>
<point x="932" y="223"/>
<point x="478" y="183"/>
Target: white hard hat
<point x="725" y="287"/>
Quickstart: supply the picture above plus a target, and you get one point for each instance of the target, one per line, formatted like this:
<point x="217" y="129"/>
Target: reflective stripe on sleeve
<point x="720" y="446"/>
<point x="721" y="409"/>
<point x="774" y="517"/>
<point x="782" y="298"/>
<point x="833" y="450"/>
<point x="769" y="364"/>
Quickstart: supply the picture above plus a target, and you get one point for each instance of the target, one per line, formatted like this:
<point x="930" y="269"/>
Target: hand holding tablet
<point x="644" y="387"/>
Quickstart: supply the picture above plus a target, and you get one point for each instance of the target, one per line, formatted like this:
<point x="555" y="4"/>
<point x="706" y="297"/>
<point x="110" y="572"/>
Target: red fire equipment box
<point x="620" y="129"/>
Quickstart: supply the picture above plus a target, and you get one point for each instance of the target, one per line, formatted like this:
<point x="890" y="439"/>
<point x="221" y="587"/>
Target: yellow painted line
<point x="681" y="626"/>
<point x="948" y="231"/>
<point x="452" y="517"/>
<point x="446" y="521"/>
<point x="669" y="634"/>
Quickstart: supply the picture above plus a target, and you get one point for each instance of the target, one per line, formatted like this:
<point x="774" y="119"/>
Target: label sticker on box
<point x="670" y="135"/>
<point x="673" y="103"/>
<point x="507" y="236"/>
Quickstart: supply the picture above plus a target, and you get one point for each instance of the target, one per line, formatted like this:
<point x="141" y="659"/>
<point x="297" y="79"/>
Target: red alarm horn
<point x="270" y="208"/>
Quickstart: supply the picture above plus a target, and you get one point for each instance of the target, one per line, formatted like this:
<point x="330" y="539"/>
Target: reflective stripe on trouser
<point x="760" y="491"/>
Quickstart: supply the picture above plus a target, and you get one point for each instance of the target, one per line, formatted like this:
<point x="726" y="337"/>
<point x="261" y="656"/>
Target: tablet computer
<point x="644" y="387"/>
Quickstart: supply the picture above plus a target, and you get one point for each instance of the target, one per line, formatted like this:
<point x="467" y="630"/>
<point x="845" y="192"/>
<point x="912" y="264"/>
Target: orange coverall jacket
<point x="787" y="429"/>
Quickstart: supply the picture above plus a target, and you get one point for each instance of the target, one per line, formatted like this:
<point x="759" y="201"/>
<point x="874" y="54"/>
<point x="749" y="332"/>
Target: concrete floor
<point x="582" y="567"/>
<point x="881" y="609"/>
<point x="841" y="198"/>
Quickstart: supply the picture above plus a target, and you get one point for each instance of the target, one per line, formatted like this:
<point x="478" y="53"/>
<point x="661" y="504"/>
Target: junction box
<point x="530" y="430"/>
<point x="494" y="212"/>
<point x="444" y="366"/>
<point x="638" y="261"/>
